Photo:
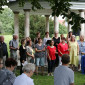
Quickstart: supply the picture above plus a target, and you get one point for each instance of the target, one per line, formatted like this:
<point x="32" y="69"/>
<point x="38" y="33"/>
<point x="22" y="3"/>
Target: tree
<point x="6" y="21"/>
<point x="21" y="26"/>
<point x="37" y="24"/>
<point x="63" y="29"/>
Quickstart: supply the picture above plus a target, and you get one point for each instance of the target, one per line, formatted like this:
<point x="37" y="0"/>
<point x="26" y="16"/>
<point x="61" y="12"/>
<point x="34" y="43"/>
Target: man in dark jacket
<point x="3" y="49"/>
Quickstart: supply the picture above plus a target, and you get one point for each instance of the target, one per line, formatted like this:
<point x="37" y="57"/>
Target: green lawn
<point x="79" y="78"/>
<point x="49" y="80"/>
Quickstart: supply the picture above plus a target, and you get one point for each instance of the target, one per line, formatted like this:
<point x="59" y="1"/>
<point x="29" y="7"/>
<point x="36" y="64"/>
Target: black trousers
<point x="57" y="60"/>
<point x="21" y="61"/>
<point x="51" y="65"/>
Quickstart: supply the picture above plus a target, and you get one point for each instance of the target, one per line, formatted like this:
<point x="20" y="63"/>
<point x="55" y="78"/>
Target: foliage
<point x="76" y="20"/>
<point x="63" y="29"/>
<point x="2" y="3"/>
<point x="21" y="26"/>
<point x="6" y="21"/>
<point x="37" y="24"/>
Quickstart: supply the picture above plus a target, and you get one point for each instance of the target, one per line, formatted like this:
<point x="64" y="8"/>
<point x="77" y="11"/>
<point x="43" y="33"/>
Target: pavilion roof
<point x="76" y="5"/>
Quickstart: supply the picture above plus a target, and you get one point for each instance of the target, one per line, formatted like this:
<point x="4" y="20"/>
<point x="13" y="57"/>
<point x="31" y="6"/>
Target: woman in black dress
<point x="56" y="40"/>
<point x="22" y="50"/>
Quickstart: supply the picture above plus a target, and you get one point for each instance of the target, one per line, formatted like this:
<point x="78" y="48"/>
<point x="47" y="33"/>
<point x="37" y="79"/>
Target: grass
<point x="49" y="80"/>
<point x="79" y="78"/>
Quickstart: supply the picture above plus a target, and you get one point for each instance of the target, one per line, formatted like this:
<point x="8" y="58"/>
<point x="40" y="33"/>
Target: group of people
<point x="53" y="52"/>
<point x="47" y="51"/>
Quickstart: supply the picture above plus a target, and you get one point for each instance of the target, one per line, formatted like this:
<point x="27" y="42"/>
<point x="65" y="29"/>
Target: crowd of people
<point x="42" y="52"/>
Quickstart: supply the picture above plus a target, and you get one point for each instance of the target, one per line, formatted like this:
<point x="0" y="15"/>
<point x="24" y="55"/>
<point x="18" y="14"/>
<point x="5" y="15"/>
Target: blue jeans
<point x="40" y="61"/>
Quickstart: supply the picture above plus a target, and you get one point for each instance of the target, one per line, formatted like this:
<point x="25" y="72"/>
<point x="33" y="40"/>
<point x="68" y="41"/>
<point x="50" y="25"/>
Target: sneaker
<point x="79" y="69"/>
<point x="51" y="74"/>
<point x="48" y="74"/>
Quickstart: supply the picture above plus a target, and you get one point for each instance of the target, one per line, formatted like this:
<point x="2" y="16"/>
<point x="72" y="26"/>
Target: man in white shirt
<point x="62" y="74"/>
<point x="24" y="78"/>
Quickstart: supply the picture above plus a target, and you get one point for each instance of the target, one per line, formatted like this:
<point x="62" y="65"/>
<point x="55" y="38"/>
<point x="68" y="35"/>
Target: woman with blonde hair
<point x="81" y="44"/>
<point x="73" y="52"/>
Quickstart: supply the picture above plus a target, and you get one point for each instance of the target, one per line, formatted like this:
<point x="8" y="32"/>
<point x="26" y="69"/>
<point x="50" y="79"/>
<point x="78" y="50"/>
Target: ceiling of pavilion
<point x="76" y="5"/>
<point x="43" y="0"/>
<point x="78" y="0"/>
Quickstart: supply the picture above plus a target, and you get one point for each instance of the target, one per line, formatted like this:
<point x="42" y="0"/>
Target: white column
<point x="27" y="22"/>
<point x="47" y="23"/>
<point x="82" y="25"/>
<point x="69" y="28"/>
<point x="16" y="23"/>
<point x="56" y="24"/>
<point x="16" y="28"/>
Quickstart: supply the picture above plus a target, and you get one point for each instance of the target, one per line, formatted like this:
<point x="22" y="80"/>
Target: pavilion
<point x="78" y="6"/>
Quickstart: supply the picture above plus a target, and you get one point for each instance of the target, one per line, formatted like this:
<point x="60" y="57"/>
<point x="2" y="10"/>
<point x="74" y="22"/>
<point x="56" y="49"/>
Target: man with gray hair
<point x="13" y="45"/>
<point x="24" y="78"/>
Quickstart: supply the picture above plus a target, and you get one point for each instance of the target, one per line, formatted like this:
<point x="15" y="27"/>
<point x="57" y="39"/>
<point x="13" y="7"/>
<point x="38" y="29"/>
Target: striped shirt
<point x="63" y="75"/>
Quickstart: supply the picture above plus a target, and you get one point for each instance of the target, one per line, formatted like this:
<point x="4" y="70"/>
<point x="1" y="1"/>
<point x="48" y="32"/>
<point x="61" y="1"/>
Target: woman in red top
<point x="51" y="51"/>
<point x="62" y="49"/>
